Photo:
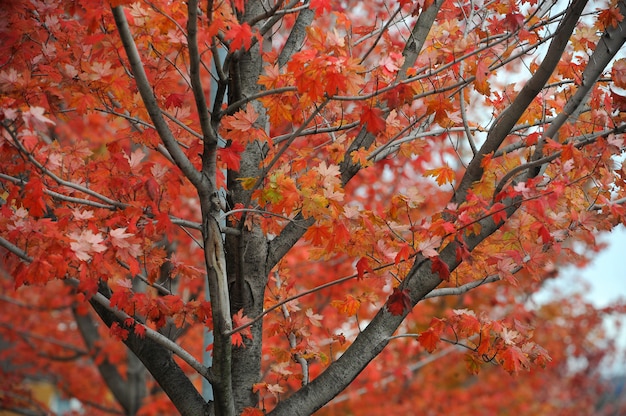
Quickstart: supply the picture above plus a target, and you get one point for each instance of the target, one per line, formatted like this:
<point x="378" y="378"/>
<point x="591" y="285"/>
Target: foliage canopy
<point x="318" y="183"/>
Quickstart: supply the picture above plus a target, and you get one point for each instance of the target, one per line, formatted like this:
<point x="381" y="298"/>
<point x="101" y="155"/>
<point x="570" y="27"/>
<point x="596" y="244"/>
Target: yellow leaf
<point x="247" y="183"/>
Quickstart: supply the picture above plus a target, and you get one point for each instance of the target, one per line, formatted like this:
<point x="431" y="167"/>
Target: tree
<point x="318" y="183"/>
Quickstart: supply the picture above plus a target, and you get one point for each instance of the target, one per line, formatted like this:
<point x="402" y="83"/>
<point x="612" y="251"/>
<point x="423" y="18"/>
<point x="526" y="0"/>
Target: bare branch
<point x="455" y="291"/>
<point x="208" y="134"/>
<point x="418" y="36"/>
<point x="296" y="36"/>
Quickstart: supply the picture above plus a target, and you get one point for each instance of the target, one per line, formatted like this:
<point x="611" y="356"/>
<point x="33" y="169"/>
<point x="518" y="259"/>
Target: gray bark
<point x="160" y="363"/>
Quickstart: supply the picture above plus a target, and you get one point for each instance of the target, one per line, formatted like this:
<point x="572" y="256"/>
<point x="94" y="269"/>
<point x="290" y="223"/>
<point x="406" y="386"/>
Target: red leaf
<point x="33" y="198"/>
<point x="429" y="339"/>
<point x="403" y="254"/>
<point x="462" y="253"/>
<point x="441" y="268"/>
<point x="240" y="36"/>
<point x="239" y="5"/>
<point x="499" y="213"/>
<point x="140" y="330"/>
<point x="118" y="332"/>
<point x="231" y="155"/>
<point x="320" y="6"/>
<point x="513" y="21"/>
<point x="399" y="301"/>
<point x="174" y="100"/>
<point x="372" y="117"/>
<point x="362" y="266"/>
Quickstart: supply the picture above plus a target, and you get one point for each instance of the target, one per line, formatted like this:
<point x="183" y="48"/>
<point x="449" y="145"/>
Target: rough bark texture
<point x="160" y="363"/>
<point x="247" y="252"/>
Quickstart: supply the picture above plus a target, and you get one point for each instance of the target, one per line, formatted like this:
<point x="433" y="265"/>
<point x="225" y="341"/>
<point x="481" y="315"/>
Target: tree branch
<point x="606" y="49"/>
<point x="114" y="381"/>
<point x="506" y="121"/>
<point x="145" y="90"/>
<point x="154" y="351"/>
<point x="208" y="134"/>
<point x="296" y="36"/>
<point x="279" y="246"/>
<point x="455" y="291"/>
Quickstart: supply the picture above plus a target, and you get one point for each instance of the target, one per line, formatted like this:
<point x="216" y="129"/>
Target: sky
<point x="606" y="280"/>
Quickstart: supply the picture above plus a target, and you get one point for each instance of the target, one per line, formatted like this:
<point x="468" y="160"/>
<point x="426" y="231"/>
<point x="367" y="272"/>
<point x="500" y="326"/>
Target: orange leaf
<point x="252" y="411"/>
<point x="481" y="84"/>
<point x="618" y="73"/>
<point x="238" y="320"/>
<point x="442" y="175"/>
<point x="349" y="306"/>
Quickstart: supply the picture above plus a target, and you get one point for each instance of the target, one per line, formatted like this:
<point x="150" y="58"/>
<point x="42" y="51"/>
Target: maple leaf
<point x="33" y="197"/>
<point x="499" y="212"/>
<point x="608" y="18"/>
<point x="314" y="318"/>
<point x="372" y="118"/>
<point x="240" y="36"/>
<point x="403" y="254"/>
<point x="349" y="306"/>
<point x="468" y="324"/>
<point x="174" y="100"/>
<point x="429" y="340"/>
<point x="85" y="243"/>
<point x="242" y="120"/>
<point x="118" y="332"/>
<point x="362" y="266"/>
<point x="440" y="267"/>
<point x="320" y="6"/>
<point x="462" y="252"/>
<point x="399" y="301"/>
<point x="472" y="363"/>
<point x="442" y="175"/>
<point x="513" y="21"/>
<point x="34" y="117"/>
<point x="119" y="238"/>
<point x="231" y="155"/>
<point x="239" y="320"/>
<point x="618" y="73"/>
<point x="513" y="359"/>
<point x="428" y="247"/>
<point x="481" y="85"/>
<point x="140" y="330"/>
